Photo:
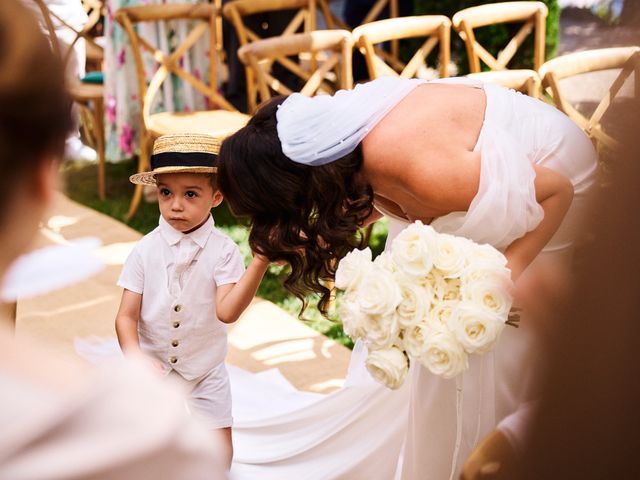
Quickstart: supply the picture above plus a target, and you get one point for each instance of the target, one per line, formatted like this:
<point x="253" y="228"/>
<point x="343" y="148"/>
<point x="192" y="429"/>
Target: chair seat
<point x="219" y="123"/>
<point x="86" y="91"/>
<point x="93" y="77"/>
<point x="515" y="79"/>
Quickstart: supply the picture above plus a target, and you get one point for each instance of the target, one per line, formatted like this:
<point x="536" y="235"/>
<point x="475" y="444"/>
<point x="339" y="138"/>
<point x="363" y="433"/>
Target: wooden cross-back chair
<point x="94" y="52"/>
<point x="627" y="59"/>
<point x="372" y="15"/>
<point x="436" y="29"/>
<point x="88" y="96"/>
<point x="304" y="20"/>
<point x="391" y="57"/>
<point x="220" y="120"/>
<point x="332" y="70"/>
<point x="533" y="16"/>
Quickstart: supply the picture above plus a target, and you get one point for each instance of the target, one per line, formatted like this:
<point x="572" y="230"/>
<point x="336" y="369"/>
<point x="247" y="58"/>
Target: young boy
<point x="184" y="281"/>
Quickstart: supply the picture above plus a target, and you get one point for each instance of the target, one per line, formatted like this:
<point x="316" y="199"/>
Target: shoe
<point x="76" y="150"/>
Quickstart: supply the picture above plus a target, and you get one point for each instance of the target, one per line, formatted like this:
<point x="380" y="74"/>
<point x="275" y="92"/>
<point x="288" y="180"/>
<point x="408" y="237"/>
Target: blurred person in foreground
<point x="60" y="418"/>
<point x="585" y="425"/>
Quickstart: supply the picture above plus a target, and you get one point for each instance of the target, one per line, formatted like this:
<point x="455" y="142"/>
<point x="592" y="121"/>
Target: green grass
<point x="80" y="184"/>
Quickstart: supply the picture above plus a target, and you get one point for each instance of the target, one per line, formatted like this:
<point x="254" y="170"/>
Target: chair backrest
<point x="627" y="59"/>
<point x="236" y="11"/>
<point x="533" y="14"/>
<point x="200" y="19"/>
<point x="331" y="72"/>
<point x="436" y="29"/>
<point x="372" y="15"/>
<point x="93" y="9"/>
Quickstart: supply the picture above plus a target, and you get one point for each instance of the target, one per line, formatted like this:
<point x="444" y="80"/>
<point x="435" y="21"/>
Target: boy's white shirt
<point x="177" y="275"/>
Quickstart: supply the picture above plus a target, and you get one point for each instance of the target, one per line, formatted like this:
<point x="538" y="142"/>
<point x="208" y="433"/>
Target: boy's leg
<point x="210" y="400"/>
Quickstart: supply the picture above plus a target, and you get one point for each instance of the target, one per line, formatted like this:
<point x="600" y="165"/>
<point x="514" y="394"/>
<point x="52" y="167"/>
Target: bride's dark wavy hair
<point x="306" y="216"/>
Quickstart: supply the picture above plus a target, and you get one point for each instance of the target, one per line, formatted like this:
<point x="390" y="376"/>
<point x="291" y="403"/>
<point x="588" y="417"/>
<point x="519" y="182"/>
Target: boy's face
<point x="186" y="199"/>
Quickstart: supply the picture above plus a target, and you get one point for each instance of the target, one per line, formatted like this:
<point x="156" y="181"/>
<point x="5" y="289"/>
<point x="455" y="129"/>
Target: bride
<point x="470" y="159"/>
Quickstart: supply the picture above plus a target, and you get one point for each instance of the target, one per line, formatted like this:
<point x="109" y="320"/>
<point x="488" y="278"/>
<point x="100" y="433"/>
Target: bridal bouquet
<point x="435" y="298"/>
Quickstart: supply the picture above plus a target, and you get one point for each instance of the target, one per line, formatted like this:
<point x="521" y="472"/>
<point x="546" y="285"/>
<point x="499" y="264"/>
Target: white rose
<point x="488" y="253"/>
<point x="385" y="262"/>
<point x="352" y="318"/>
<point x="388" y="366"/>
<point x="442" y="314"/>
<point x="415" y="303"/>
<point x="475" y="328"/>
<point x="483" y="270"/>
<point x="437" y="283"/>
<point x="414" y="337"/>
<point x="443" y="355"/>
<point x="378" y="293"/>
<point x="353" y="268"/>
<point x="412" y="250"/>
<point x="491" y="295"/>
<point x="450" y="255"/>
<point x="452" y="290"/>
<point x="382" y="331"/>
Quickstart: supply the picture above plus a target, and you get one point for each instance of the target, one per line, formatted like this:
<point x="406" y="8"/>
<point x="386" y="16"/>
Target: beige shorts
<point x="209" y="396"/>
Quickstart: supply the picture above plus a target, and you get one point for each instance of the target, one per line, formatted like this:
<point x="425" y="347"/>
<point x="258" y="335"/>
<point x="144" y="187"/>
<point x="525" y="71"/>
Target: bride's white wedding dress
<point x="517" y="131"/>
<point x="362" y="430"/>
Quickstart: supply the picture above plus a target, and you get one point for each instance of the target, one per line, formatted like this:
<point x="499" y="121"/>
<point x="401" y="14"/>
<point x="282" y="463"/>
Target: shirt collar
<point x="199" y="236"/>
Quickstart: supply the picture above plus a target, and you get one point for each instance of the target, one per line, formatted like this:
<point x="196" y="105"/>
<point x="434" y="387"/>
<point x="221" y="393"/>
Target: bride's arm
<point x="554" y="193"/>
<point x="450" y="184"/>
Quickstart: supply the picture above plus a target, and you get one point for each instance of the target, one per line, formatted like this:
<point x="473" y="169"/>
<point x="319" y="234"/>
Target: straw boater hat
<point x="181" y="153"/>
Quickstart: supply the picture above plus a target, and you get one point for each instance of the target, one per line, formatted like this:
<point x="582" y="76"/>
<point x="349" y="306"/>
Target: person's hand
<point x="493" y="459"/>
<point x="150" y="362"/>
<point x="264" y="260"/>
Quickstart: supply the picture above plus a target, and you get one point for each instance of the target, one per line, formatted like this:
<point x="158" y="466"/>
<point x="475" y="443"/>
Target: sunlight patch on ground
<point x="58" y="222"/>
<point x="286" y="351"/>
<point x="328" y="385"/>
<point x="116" y="253"/>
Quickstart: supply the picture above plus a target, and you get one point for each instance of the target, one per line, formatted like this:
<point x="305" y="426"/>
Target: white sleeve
<point x="505" y="207"/>
<point x="230" y="266"/>
<point x="516" y="425"/>
<point x="132" y="275"/>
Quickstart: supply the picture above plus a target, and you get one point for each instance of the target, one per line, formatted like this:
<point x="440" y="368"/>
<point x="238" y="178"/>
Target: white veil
<point x="318" y="130"/>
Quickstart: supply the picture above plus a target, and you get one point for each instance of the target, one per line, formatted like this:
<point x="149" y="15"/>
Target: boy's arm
<point x="127" y="321"/>
<point x="233" y="298"/>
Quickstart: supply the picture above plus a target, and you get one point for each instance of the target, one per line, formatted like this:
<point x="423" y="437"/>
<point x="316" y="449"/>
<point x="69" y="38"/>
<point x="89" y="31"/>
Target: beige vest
<point x="183" y="331"/>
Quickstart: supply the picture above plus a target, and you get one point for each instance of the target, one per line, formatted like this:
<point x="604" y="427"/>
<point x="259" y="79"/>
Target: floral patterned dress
<point x="122" y="107"/>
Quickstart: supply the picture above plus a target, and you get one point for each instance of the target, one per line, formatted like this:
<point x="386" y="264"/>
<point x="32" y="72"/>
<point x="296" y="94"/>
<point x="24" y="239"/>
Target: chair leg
<point x="99" y="134"/>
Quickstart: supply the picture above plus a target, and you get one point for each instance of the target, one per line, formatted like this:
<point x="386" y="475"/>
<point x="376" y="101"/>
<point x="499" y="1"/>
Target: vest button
<point x="174" y="343"/>
<point x="173" y="360"/>
<point x="176" y="324"/>
<point x="177" y="308"/>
